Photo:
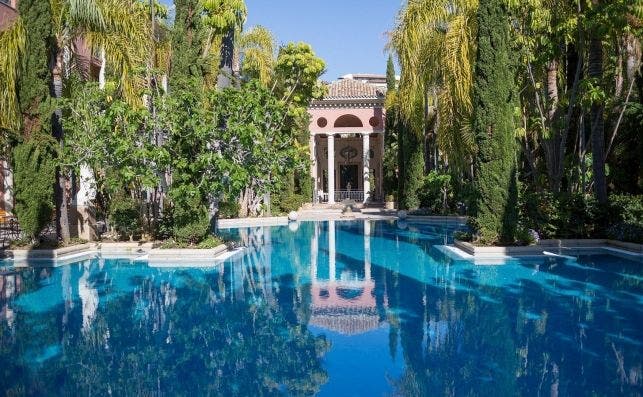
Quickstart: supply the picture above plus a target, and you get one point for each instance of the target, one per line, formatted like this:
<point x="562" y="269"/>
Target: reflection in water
<point x="335" y="308"/>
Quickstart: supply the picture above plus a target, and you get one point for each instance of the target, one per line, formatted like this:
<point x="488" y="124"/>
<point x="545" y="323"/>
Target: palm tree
<point x="435" y="44"/>
<point x="224" y="20"/>
<point x="115" y="27"/>
<point x="257" y="48"/>
<point x="12" y="46"/>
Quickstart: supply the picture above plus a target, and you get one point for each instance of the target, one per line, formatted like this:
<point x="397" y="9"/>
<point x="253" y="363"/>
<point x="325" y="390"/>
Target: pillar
<point x="331" y="169"/>
<point x="366" y="148"/>
<point x="313" y="166"/>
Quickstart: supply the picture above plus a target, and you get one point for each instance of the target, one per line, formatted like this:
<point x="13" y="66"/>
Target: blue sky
<point x="350" y="35"/>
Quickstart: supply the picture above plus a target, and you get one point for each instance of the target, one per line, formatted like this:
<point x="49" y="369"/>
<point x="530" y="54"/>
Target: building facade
<point x="7" y="12"/>
<point x="347" y="140"/>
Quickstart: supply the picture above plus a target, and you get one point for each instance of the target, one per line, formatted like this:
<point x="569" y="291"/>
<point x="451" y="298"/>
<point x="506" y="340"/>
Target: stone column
<point x="313" y="166"/>
<point x="366" y="149"/>
<point x="331" y="169"/>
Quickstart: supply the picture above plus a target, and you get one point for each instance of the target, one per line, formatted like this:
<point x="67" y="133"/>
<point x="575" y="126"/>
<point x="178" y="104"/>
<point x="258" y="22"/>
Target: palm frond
<point x="434" y="41"/>
<point x="12" y="48"/>
<point x="257" y="47"/>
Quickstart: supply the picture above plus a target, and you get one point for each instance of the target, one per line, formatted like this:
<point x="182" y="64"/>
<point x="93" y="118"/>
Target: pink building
<point x="7" y="12"/>
<point x="347" y="140"/>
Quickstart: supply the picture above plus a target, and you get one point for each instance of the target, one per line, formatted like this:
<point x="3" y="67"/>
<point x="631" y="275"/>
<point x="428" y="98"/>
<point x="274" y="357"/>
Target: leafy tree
<point x="125" y="216"/>
<point x="493" y="99"/>
<point x="34" y="172"/>
<point x="297" y="72"/>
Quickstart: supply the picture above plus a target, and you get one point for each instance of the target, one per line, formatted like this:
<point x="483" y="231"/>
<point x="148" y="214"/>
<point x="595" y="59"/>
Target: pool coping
<point x="149" y="251"/>
<point x="351" y="216"/>
<point x="543" y="248"/>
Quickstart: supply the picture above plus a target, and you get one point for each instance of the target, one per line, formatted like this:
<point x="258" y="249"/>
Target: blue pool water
<point x="329" y="309"/>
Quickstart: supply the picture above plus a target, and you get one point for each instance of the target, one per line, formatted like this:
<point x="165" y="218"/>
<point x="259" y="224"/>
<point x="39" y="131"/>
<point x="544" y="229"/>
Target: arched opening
<point x="348" y="120"/>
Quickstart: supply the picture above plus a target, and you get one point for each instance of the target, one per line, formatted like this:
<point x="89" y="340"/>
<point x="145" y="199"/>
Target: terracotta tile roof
<point x="353" y="89"/>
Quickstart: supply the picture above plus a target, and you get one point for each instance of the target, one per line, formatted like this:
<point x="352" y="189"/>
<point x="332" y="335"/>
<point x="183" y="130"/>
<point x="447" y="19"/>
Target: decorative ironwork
<point x="348" y="153"/>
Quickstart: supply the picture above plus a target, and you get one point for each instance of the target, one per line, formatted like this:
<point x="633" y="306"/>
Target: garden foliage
<point x="33" y="176"/>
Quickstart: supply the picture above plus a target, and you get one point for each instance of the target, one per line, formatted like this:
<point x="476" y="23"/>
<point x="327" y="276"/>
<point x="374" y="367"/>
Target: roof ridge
<point x="350" y="88"/>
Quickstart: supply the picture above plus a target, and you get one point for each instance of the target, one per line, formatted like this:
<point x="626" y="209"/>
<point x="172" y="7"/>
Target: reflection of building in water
<point x="344" y="304"/>
<point x="88" y="297"/>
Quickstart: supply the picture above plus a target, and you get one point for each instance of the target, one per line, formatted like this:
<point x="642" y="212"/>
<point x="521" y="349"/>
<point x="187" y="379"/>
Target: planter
<point x="389" y="205"/>
<point x="554" y="246"/>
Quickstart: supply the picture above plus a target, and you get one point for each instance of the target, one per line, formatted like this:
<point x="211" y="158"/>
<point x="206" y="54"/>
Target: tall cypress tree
<point x="493" y="98"/>
<point x="187" y="65"/>
<point x="391" y="155"/>
<point x="411" y="163"/>
<point x="35" y="78"/>
<point x="391" y="81"/>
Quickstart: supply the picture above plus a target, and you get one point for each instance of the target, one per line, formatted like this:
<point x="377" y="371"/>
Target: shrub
<point x="34" y="177"/>
<point x="525" y="236"/>
<point x="288" y="202"/>
<point x="229" y="209"/>
<point x="125" y="217"/>
<point x="561" y="216"/>
<point x="191" y="220"/>
<point x="540" y="211"/>
<point x="207" y="243"/>
<point x="436" y="193"/>
<point x="463" y="236"/>
<point x="625" y="214"/>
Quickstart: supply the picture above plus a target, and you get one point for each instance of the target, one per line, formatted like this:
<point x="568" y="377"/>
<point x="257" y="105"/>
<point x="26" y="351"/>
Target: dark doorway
<point x="348" y="177"/>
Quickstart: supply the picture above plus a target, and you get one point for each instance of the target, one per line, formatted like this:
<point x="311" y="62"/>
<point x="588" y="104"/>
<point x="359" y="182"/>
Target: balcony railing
<point x="340" y="195"/>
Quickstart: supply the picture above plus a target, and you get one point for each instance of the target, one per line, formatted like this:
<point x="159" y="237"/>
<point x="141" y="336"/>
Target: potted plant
<point x="390" y="202"/>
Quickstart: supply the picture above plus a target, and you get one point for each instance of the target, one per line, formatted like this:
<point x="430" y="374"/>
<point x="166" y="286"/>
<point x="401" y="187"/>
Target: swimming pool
<point x="328" y="308"/>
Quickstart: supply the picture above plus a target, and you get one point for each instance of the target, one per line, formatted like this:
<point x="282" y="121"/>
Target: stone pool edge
<point x="137" y="251"/>
<point x="545" y="247"/>
<point x="233" y="223"/>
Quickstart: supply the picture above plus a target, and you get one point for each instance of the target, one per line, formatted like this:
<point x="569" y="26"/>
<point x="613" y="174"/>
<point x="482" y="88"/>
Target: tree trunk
<point x="551" y="144"/>
<point x="103" y="65"/>
<point x="62" y="199"/>
<point x="595" y="71"/>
